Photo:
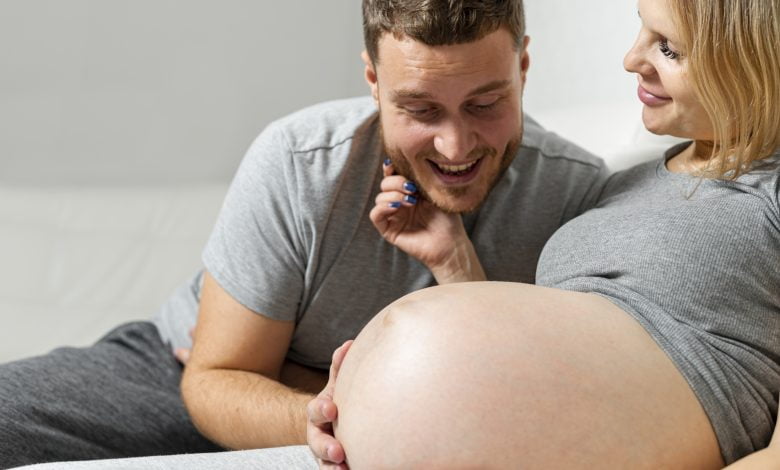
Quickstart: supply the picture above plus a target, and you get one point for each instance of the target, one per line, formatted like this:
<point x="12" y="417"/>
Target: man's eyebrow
<point x="403" y="94"/>
<point x="492" y="86"/>
<point x="399" y="95"/>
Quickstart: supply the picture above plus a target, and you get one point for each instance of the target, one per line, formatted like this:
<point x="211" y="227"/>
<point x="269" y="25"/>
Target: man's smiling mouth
<point x="455" y="170"/>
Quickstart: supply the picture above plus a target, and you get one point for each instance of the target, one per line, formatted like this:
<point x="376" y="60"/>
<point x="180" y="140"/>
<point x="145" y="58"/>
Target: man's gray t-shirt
<point x="697" y="263"/>
<point x="294" y="241"/>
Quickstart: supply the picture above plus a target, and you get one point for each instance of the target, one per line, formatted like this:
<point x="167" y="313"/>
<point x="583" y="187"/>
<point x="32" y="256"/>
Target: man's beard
<point x="402" y="167"/>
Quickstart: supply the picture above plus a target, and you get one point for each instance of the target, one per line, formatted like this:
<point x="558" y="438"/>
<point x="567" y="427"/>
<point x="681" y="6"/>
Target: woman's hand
<point x="322" y="413"/>
<point x="423" y="231"/>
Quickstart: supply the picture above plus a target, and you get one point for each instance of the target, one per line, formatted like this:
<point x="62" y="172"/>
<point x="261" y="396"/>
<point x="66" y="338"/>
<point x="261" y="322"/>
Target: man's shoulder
<point x="325" y="125"/>
<point x="547" y="145"/>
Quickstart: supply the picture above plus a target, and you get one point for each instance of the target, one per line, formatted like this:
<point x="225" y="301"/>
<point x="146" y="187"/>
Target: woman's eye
<point x="663" y="45"/>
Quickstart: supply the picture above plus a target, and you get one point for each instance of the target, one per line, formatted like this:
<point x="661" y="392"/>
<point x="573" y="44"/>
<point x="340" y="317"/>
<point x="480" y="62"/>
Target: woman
<point x="653" y="337"/>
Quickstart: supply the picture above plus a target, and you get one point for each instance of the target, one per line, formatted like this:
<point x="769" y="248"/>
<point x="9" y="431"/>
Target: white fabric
<point x="280" y="458"/>
<point x="79" y="261"/>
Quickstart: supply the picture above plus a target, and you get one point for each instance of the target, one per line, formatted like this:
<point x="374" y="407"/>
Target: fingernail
<point x="395" y="205"/>
<point x="387" y="162"/>
<point x="411" y="187"/>
<point x="410" y="199"/>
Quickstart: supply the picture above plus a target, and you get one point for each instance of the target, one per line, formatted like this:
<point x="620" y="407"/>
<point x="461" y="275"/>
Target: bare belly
<point x="504" y="375"/>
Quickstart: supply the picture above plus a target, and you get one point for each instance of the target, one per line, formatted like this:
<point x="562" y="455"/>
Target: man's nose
<point x="455" y="140"/>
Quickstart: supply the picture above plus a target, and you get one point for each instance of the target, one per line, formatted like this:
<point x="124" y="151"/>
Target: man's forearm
<point x="244" y="410"/>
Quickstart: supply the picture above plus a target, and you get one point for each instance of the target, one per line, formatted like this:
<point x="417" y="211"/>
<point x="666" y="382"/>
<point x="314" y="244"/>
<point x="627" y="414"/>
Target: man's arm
<point x="231" y="383"/>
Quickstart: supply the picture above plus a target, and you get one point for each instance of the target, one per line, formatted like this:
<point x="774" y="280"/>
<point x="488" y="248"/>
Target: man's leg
<point x="118" y="398"/>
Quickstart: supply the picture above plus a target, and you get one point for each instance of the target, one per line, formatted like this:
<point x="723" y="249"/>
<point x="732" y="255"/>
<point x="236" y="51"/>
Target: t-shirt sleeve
<point x="597" y="178"/>
<point x="256" y="251"/>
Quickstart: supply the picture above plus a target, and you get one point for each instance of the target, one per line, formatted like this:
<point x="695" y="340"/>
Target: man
<point x="299" y="260"/>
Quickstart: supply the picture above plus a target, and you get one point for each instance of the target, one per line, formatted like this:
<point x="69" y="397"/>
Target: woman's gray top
<point x="697" y="263"/>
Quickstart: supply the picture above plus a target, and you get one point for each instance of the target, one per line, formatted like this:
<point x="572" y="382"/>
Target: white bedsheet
<point x="77" y="262"/>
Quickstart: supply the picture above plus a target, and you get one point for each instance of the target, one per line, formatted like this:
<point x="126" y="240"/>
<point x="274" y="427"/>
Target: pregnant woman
<point x="652" y="337"/>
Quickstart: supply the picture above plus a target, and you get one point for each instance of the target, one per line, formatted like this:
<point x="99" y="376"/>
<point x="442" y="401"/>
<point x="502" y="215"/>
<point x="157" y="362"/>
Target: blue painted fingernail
<point x="387" y="162"/>
<point x="395" y="205"/>
<point x="411" y="187"/>
<point x="410" y="199"/>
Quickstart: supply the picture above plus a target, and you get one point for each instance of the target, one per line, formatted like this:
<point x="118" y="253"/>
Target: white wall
<point x="147" y="90"/>
<point x="577" y="85"/>
<point x="118" y="91"/>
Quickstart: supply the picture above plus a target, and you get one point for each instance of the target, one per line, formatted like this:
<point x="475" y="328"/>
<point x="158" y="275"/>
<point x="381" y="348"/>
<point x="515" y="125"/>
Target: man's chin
<point x="456" y="204"/>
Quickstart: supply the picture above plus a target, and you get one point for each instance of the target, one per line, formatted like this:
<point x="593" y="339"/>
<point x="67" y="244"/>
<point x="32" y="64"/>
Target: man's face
<point x="451" y="115"/>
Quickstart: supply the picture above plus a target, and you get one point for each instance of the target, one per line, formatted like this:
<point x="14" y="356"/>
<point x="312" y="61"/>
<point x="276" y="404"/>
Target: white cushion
<point x="78" y="262"/>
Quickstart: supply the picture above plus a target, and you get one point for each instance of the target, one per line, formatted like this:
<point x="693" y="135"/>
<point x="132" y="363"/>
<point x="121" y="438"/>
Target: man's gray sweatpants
<point x="118" y="398"/>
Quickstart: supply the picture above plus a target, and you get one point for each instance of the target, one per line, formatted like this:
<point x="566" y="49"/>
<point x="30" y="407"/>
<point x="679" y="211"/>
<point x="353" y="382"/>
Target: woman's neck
<point x="695" y="158"/>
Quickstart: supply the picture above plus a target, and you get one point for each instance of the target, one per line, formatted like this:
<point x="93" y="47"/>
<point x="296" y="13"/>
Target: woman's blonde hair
<point x="733" y="53"/>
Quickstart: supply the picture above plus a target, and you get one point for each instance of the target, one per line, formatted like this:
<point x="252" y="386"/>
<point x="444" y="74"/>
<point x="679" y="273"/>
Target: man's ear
<point x="525" y="60"/>
<point x="370" y="75"/>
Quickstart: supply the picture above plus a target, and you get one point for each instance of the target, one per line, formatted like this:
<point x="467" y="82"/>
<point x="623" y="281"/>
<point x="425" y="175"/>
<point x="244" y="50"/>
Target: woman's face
<point x="671" y="105"/>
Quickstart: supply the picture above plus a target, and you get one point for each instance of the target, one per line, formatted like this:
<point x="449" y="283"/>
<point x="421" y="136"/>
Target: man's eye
<point x="426" y="113"/>
<point x="483" y="106"/>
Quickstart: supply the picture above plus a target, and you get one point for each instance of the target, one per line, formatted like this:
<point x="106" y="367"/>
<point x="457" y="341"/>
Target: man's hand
<point x="425" y="232"/>
<point x="183" y="354"/>
<point x="322" y="413"/>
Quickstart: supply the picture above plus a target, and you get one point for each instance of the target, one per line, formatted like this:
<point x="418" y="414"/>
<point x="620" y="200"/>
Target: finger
<point x="331" y="452"/>
<point x="398" y="183"/>
<point x="387" y="168"/>
<point x="339" y="355"/>
<point x="323" y="445"/>
<point x="182" y="355"/>
<point x="380" y="215"/>
<point x="388" y="199"/>
<point x="321" y="410"/>
<point x="335" y="365"/>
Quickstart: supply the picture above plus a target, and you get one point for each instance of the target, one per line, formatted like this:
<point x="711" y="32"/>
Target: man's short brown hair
<point x="440" y="22"/>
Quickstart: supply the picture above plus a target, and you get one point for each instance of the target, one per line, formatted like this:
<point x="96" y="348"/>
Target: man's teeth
<point x="456" y="168"/>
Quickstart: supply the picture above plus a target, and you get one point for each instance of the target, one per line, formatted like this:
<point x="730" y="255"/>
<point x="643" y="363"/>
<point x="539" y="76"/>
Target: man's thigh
<point x="117" y="398"/>
<point x="282" y="458"/>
